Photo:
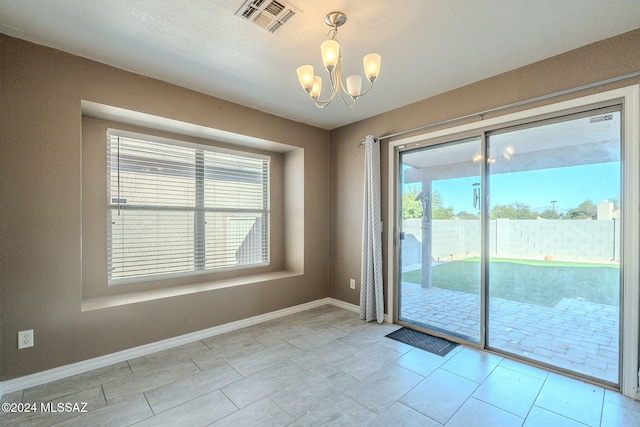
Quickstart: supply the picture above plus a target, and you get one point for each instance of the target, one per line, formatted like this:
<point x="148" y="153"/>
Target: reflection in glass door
<point x="554" y="234"/>
<point x="440" y="235"/>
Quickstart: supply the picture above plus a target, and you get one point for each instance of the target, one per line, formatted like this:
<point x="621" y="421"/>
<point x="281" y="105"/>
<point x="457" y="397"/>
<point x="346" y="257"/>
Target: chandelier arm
<point x="321" y="103"/>
<point x="335" y="78"/>
<point x="340" y="87"/>
<point x="350" y="105"/>
<point x="366" y="91"/>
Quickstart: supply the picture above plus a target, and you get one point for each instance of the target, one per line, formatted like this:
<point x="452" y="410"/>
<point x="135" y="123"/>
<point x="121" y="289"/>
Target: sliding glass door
<point x="554" y="257"/>
<point x="536" y="272"/>
<point x="440" y="231"/>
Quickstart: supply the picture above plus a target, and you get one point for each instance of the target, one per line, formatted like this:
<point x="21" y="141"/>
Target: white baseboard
<point x="342" y="304"/>
<point x="65" y="371"/>
<point x="351" y="307"/>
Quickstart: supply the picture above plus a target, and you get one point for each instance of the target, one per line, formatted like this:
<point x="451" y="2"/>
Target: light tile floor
<point x="323" y="367"/>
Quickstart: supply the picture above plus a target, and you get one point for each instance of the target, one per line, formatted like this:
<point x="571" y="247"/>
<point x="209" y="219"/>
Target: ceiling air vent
<point x="268" y="14"/>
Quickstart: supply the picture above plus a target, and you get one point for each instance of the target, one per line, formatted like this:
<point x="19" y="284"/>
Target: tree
<point x="438" y="211"/>
<point x="467" y="215"/>
<point x="550" y="214"/>
<point x="515" y="210"/>
<point x="412" y="208"/>
<point x="584" y="210"/>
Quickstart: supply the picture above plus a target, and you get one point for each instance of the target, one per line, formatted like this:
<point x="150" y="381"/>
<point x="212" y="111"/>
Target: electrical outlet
<point x="25" y="339"/>
<point x="352" y="283"/>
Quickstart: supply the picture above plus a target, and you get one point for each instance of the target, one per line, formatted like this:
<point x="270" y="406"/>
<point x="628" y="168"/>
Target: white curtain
<point x="371" y="293"/>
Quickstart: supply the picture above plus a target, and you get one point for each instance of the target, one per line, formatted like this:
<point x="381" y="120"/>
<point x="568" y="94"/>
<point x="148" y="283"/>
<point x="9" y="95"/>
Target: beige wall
<point x="608" y="58"/>
<point x="40" y="193"/>
<point x="41" y="206"/>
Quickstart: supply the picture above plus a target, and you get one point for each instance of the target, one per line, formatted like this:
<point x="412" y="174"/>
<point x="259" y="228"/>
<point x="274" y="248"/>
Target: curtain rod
<point x="481" y="114"/>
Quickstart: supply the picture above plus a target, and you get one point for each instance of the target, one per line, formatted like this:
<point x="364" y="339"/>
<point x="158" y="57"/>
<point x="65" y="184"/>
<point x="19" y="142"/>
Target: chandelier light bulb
<point x="305" y="77"/>
<point x="330" y="51"/>
<point x="372" y="66"/>
<point x="354" y="83"/>
<point x="317" y="87"/>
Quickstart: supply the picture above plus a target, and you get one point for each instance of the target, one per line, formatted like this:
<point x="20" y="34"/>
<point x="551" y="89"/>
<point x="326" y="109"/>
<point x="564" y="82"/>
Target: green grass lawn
<point x="536" y="282"/>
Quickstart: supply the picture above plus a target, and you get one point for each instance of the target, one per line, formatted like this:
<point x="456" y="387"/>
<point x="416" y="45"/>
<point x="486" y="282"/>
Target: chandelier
<point x="331" y="56"/>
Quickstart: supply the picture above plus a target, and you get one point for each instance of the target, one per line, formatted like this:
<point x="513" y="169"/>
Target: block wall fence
<point x="562" y="240"/>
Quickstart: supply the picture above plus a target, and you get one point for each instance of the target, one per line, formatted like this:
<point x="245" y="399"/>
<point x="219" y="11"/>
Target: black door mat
<point x="435" y="345"/>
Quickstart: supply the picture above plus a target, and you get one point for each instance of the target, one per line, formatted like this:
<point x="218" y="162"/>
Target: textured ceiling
<point x="427" y="46"/>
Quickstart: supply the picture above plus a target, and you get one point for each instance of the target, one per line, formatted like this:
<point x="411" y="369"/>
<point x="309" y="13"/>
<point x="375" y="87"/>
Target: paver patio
<point x="576" y="335"/>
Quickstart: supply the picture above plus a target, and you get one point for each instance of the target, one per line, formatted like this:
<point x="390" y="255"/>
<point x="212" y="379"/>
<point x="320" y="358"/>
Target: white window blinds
<point x="177" y="208"/>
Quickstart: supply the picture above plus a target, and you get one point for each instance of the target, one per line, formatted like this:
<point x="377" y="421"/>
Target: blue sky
<point x="568" y="186"/>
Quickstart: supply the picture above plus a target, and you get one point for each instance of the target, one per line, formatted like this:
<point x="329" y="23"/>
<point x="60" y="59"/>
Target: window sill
<point x="136" y="297"/>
